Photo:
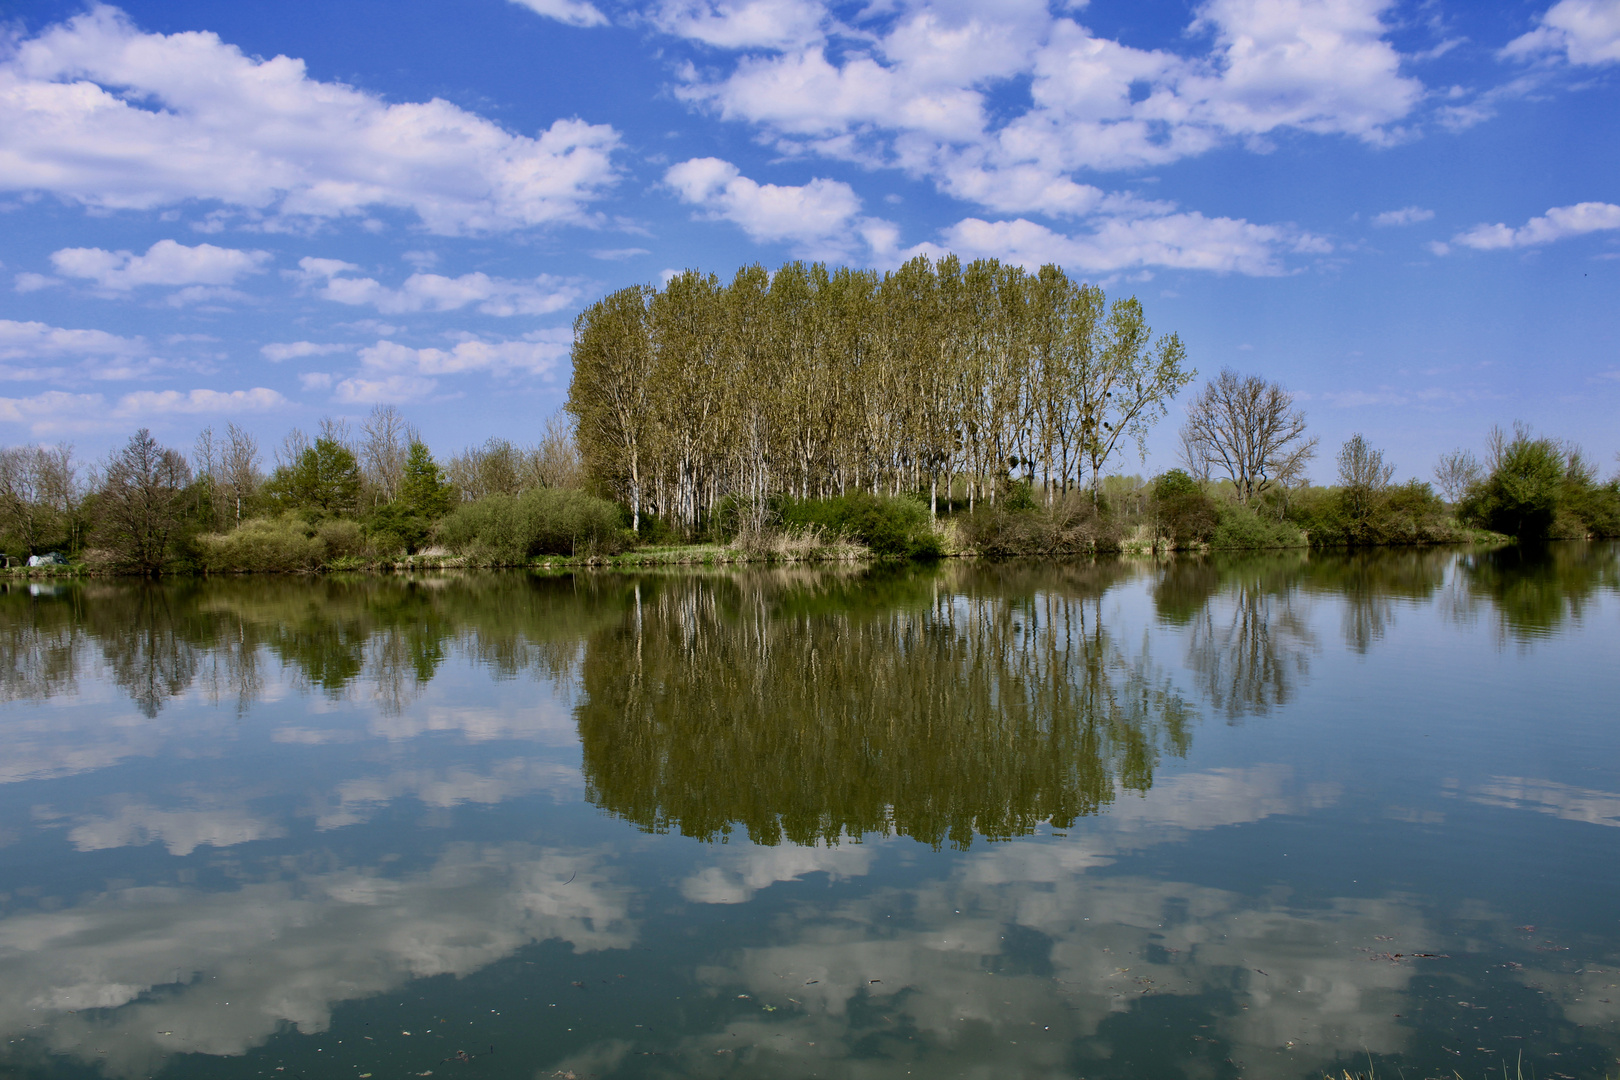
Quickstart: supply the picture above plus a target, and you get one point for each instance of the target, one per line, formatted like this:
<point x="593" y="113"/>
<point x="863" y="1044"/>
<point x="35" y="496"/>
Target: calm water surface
<point x="1258" y="817"/>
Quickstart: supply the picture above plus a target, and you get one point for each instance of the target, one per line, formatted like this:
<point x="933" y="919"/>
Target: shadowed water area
<point x="1215" y="817"/>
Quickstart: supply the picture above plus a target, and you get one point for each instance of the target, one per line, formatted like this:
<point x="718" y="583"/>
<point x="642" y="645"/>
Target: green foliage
<point x="1173" y="483"/>
<point x="1241" y="527"/>
<point x="406" y="523"/>
<point x="424" y="491"/>
<point x="1520" y="497"/>
<point x="1183" y="513"/>
<point x="513" y="529"/>
<point x="283" y="544"/>
<point x="323" y="482"/>
<point x="1409" y="513"/>
<point x="893" y="528"/>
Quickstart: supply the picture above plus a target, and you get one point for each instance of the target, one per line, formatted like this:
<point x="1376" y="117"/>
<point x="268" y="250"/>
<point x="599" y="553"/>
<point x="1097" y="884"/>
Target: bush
<point x="1409" y="513"/>
<point x="263" y="545"/>
<point x="546" y="521"/>
<point x="1521" y="495"/>
<point x="1184" y="515"/>
<point x="1241" y="527"/>
<point x="1072" y="526"/>
<point x="891" y="528"/>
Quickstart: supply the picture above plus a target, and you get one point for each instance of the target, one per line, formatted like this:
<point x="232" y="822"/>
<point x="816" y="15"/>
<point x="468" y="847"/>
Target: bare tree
<point x="556" y="460"/>
<point x="337" y="430"/>
<point x="1249" y="429"/>
<point x="36" y="493"/>
<point x="141" y="502"/>
<point x="205" y="467"/>
<point x="239" y="469"/>
<point x="292" y="448"/>
<point x="1456" y="472"/>
<point x="387" y="440"/>
<point x="1191" y="457"/>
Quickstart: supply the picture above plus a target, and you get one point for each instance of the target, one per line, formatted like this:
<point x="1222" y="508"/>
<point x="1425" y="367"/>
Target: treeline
<point x="340" y="498"/>
<point x="813" y="383"/>
<point x="810" y="413"/>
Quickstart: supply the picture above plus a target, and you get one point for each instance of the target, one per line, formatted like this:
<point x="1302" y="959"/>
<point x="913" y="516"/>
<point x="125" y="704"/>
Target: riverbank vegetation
<point x="805" y="415"/>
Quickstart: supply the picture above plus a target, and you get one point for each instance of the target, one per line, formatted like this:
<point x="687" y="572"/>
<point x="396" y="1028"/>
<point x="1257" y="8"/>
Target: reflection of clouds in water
<point x="1589" y="997"/>
<point x="47" y="743"/>
<point x="999" y="982"/>
<point x="181" y="831"/>
<point x="549" y="722"/>
<point x="737" y="875"/>
<point x="996" y="981"/>
<point x="1548" y="797"/>
<point x="1200" y="800"/>
<point x="223" y="971"/>
<point x="355" y="801"/>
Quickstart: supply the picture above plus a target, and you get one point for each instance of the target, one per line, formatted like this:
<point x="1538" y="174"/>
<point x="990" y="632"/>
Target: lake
<point x="1261" y="816"/>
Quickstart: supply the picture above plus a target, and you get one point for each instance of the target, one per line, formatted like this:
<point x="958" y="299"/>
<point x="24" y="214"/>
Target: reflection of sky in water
<point x="287" y="848"/>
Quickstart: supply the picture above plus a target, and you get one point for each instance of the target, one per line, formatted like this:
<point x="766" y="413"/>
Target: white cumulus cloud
<point x="97" y="112"/>
<point x="738" y="24"/>
<point x="53" y="412"/>
<point x="572" y="12"/>
<point x="277" y="351"/>
<point x="822" y="216"/>
<point x="1559" y="223"/>
<point x="911" y="89"/>
<point x="35" y="340"/>
<point x="192" y="402"/>
<point x="1583" y="31"/>
<point x="435" y="292"/>
<point x="394" y="373"/>
<point x="165" y="263"/>
<point x="1184" y="241"/>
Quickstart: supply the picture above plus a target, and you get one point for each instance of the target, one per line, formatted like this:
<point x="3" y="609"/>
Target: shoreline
<point x="722" y="557"/>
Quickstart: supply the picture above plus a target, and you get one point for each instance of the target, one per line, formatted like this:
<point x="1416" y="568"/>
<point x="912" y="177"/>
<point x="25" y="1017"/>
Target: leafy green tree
<point x="1520" y="496"/>
<point x="1184" y="512"/>
<point x="323" y="481"/>
<point x="424" y="489"/>
<point x="424" y="498"/>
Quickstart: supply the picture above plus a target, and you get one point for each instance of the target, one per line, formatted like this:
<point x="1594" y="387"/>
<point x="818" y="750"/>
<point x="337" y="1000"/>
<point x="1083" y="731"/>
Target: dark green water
<point x="1254" y="817"/>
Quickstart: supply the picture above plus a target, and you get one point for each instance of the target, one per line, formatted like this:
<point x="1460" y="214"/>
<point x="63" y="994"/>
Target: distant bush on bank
<point x="512" y="529"/>
<point x="1538" y="488"/>
<point x="891" y="528"/>
<point x="1409" y="513"/>
<point x="1072" y="525"/>
<point x="1183" y="513"/>
<point x="1242" y="528"/>
<point x="285" y="544"/>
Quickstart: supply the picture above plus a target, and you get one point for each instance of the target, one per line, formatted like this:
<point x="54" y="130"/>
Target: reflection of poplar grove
<point x="908" y="706"/>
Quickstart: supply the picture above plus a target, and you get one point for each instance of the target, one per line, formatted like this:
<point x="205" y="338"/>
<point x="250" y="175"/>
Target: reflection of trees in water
<point x="41" y="638"/>
<point x="1535" y="589"/>
<point x="1369" y="584"/>
<point x="157" y="639"/>
<point x="1249" y="646"/>
<point x="934" y="706"/>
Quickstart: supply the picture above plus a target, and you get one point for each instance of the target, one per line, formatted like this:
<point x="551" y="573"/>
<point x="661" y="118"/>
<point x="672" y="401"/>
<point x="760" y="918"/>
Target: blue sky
<point x="268" y="213"/>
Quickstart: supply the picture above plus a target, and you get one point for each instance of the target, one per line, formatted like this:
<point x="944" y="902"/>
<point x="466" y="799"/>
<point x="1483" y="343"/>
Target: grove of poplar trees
<point x="935" y="377"/>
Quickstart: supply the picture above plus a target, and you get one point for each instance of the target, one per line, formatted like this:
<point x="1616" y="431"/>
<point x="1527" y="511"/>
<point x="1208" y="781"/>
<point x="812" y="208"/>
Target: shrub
<point x="1071" y="526"/>
<point x="892" y="528"/>
<point x="264" y="545"/>
<point x="1183" y="514"/>
<point x="1520" y="497"/>
<point x="545" y="521"/>
<point x="1409" y="513"/>
<point x="1241" y="527"/>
